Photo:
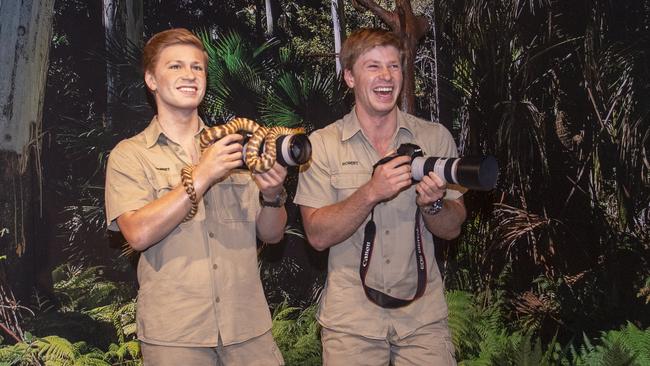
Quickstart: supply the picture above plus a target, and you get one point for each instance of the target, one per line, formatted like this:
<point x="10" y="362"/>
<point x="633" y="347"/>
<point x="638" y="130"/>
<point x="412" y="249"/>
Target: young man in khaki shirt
<point x="200" y="300"/>
<point x="339" y="193"/>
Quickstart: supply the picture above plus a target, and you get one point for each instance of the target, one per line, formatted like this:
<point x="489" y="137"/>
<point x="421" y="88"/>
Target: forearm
<point x="446" y="224"/>
<point x="330" y="225"/>
<point x="270" y="224"/>
<point x="148" y="225"/>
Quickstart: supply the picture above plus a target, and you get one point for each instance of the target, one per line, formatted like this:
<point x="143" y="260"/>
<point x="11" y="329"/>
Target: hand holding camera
<point x="391" y="177"/>
<point x="221" y="157"/>
<point x="477" y="173"/>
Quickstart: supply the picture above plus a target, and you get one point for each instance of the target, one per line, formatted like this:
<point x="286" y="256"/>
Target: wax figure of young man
<point x="337" y="194"/>
<point x="200" y="300"/>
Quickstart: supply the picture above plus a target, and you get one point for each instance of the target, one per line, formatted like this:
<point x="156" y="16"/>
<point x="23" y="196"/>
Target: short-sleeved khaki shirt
<point x="342" y="160"/>
<point x="202" y="280"/>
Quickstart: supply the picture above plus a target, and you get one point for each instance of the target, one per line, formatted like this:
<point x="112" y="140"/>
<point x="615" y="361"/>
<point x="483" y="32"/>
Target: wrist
<point x="432" y="209"/>
<point x="277" y="200"/>
<point x="371" y="195"/>
<point x="202" y="179"/>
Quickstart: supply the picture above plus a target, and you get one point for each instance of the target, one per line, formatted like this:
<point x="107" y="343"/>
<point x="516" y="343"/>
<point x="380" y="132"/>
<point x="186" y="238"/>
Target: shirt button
<point x="214" y="266"/>
<point x="387" y="232"/>
<point x="217" y="299"/>
<point x="211" y="234"/>
<point x="387" y="261"/>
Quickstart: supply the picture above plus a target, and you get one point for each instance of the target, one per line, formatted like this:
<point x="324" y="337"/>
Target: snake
<point x="256" y="162"/>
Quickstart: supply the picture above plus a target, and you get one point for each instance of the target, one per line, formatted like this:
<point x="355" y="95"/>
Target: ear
<point x="349" y="78"/>
<point x="150" y="81"/>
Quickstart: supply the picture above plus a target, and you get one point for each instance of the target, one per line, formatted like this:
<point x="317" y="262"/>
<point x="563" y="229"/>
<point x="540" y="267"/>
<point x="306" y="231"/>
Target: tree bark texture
<point x="123" y="27"/>
<point x="272" y="13"/>
<point x="26" y="34"/>
<point x="410" y="28"/>
<point x="134" y="19"/>
<point x="338" y="26"/>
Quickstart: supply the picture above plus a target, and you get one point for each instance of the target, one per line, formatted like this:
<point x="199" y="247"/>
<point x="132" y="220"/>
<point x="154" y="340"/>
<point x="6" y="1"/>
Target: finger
<point x="403" y="169"/>
<point x="276" y="172"/>
<point x="261" y="180"/>
<point x="404" y="183"/>
<point x="280" y="170"/>
<point x="266" y="179"/>
<point x="229" y="139"/>
<point x="234" y="147"/>
<point x="229" y="165"/>
<point x="400" y="160"/>
<point x="232" y="156"/>
<point x="436" y="180"/>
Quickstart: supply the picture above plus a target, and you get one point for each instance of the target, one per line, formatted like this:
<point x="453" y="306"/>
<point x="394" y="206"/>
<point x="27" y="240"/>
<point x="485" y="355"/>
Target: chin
<point x="385" y="107"/>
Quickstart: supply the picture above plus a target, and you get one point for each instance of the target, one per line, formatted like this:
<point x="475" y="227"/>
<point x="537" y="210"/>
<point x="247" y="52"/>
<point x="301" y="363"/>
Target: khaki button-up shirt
<point x="202" y="280"/>
<point x="342" y="160"/>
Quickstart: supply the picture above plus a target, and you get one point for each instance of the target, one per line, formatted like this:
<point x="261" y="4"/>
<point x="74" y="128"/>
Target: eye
<point x="174" y="66"/>
<point x="197" y="67"/>
<point x="372" y="67"/>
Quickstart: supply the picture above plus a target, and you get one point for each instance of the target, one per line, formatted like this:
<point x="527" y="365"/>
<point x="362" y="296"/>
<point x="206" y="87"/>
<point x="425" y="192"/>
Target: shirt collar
<point x="351" y="125"/>
<point x="154" y="132"/>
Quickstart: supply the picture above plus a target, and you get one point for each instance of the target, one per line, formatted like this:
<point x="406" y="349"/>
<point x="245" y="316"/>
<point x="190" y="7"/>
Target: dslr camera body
<point x="476" y="172"/>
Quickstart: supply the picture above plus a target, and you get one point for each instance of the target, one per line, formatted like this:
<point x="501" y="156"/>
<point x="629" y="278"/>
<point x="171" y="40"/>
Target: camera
<point x="291" y="150"/>
<point x="473" y="172"/>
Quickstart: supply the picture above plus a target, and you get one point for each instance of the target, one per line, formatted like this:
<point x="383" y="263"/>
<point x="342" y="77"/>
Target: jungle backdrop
<point x="552" y="267"/>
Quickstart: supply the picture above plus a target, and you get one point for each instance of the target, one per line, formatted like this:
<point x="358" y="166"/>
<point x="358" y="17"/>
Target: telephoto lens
<point x="473" y="172"/>
<point x="293" y="150"/>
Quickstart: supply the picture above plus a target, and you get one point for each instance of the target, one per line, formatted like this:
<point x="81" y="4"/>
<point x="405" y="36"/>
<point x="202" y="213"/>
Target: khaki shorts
<point x="428" y="345"/>
<point x="259" y="351"/>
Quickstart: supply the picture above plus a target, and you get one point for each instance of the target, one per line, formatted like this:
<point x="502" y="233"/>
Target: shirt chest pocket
<point x="236" y="198"/>
<point x="347" y="183"/>
<point x="164" y="182"/>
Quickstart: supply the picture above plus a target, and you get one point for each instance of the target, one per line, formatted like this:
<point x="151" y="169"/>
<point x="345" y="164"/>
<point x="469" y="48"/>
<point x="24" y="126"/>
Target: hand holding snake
<point x="230" y="146"/>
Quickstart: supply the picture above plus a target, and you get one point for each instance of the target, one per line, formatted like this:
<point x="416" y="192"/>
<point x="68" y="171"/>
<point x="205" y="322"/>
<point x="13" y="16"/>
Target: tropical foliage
<point x="552" y="267"/>
<point x="553" y="90"/>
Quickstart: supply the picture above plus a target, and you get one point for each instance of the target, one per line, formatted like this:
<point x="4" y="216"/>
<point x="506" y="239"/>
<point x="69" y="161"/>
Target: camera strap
<point x="376" y="296"/>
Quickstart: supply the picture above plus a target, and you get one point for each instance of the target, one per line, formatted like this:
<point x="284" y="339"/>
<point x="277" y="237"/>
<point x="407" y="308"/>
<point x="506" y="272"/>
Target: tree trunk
<point x="26" y="34"/>
<point x="134" y="22"/>
<point x="410" y="29"/>
<point x="123" y="27"/>
<point x="429" y="68"/>
<point x="271" y="17"/>
<point x="109" y="14"/>
<point x="338" y="26"/>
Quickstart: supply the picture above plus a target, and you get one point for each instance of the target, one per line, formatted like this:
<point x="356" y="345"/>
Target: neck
<point x="180" y="126"/>
<point x="379" y="128"/>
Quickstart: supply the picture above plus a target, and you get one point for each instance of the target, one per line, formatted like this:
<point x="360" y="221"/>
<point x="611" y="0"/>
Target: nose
<point x="189" y="74"/>
<point x="385" y="73"/>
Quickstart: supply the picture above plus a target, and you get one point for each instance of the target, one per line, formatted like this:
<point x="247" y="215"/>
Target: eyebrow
<point x="390" y="62"/>
<point x="182" y="62"/>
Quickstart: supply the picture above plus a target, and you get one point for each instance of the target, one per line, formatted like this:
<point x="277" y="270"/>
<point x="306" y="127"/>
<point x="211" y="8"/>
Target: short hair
<point x="170" y="37"/>
<point x="363" y="40"/>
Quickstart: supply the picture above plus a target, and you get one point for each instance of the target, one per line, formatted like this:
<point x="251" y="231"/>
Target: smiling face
<point x="376" y="78"/>
<point x="178" y="78"/>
